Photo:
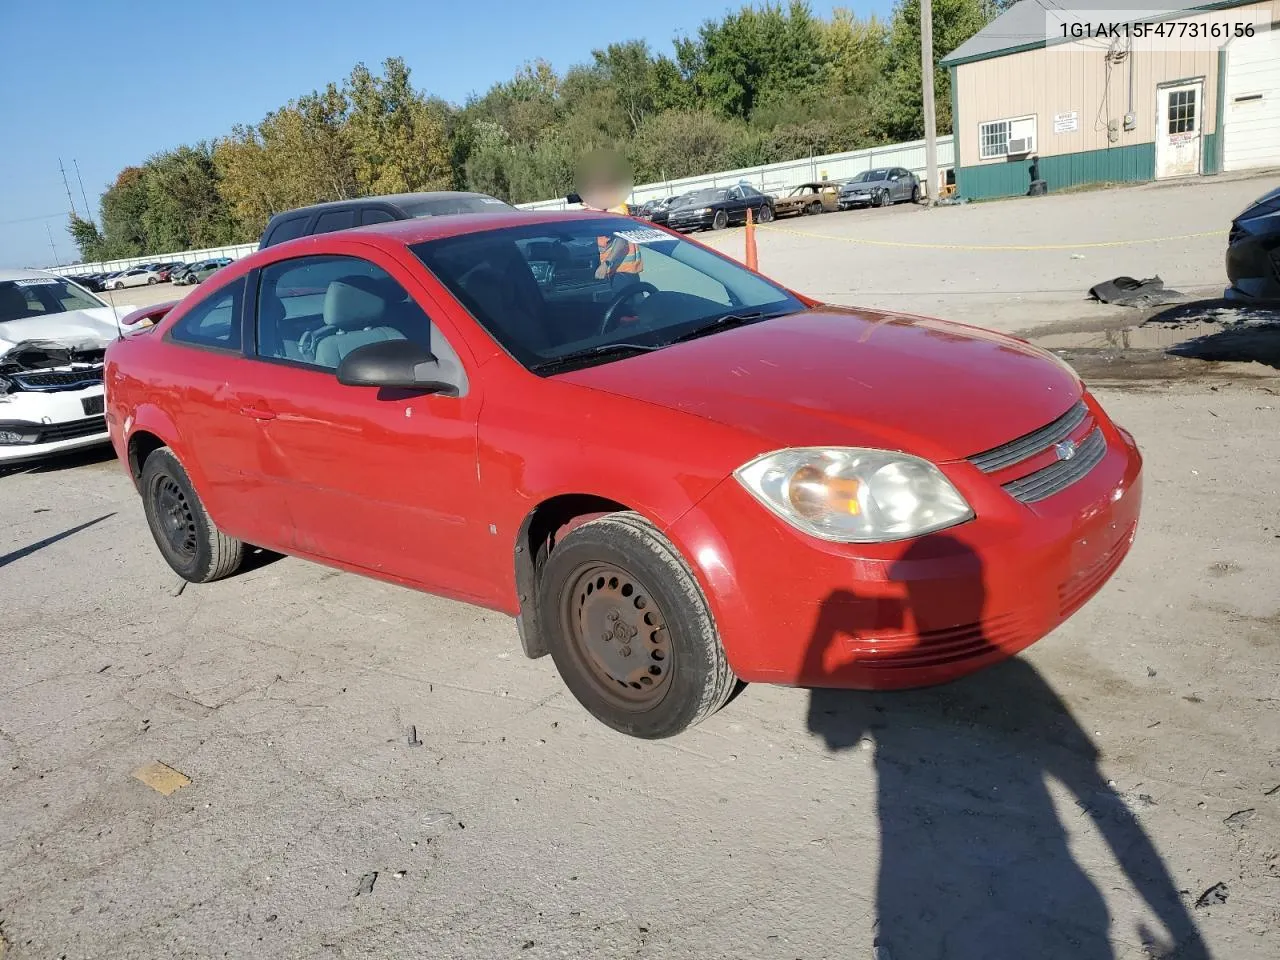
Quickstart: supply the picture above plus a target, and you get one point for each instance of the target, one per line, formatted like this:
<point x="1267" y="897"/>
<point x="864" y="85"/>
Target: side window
<point x="335" y="220"/>
<point x="375" y="216"/>
<point x="214" y="322"/>
<point x="289" y="229"/>
<point x="315" y="310"/>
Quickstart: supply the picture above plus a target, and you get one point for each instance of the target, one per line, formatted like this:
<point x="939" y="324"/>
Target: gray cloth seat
<point x="354" y="313"/>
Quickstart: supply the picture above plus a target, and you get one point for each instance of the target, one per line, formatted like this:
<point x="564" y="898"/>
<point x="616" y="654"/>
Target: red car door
<point x="384" y="483"/>
<point x="221" y="447"/>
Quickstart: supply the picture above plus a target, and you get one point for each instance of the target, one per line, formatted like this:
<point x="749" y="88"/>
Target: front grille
<point x="73" y="430"/>
<point x="1015" y="451"/>
<point x="51" y="380"/>
<point x="1058" y="476"/>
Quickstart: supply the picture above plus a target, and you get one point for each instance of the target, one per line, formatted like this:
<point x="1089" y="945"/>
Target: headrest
<point x="352" y="304"/>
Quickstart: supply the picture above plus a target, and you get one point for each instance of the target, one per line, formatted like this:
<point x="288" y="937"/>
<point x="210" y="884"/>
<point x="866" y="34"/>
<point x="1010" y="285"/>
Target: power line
<point x="47" y="216"/>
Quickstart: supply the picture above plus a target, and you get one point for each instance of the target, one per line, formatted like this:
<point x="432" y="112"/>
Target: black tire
<point x="814" y="208"/>
<point x="691" y="678"/>
<point x="188" y="540"/>
<point x="915" y="193"/>
<point x="766" y="214"/>
<point x="878" y="199"/>
<point x="151" y="280"/>
<point x="720" y="220"/>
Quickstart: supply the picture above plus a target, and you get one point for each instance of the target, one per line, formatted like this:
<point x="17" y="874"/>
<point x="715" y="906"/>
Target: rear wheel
<point x="720" y="220"/>
<point x="629" y="629"/>
<point x="188" y="540"/>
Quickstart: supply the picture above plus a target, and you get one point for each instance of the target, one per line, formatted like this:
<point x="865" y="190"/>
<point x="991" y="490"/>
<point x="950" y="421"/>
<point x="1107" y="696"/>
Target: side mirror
<point x="573" y="198"/>
<point x="395" y="364"/>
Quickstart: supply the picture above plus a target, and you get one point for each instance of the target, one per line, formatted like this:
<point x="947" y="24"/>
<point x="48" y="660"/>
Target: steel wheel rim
<point x="618" y="633"/>
<point x="176" y="518"/>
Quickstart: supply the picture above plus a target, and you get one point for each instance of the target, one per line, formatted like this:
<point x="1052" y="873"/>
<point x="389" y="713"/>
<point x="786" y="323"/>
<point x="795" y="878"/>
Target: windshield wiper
<point x="608" y="350"/>
<point x="724" y="322"/>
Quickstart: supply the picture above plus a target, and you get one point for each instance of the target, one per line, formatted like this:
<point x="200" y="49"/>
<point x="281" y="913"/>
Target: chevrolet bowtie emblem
<point x="1065" y="450"/>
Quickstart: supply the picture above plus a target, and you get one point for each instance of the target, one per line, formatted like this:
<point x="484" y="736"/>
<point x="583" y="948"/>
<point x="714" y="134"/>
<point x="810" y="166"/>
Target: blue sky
<point x="106" y="84"/>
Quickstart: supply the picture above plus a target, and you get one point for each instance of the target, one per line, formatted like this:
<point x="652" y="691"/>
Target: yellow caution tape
<point x="963" y="246"/>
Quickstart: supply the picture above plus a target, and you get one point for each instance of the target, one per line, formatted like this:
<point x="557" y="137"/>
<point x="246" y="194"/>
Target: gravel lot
<point x="1094" y="788"/>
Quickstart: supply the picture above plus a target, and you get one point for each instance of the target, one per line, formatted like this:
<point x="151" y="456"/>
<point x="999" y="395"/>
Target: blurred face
<point x="604" y="179"/>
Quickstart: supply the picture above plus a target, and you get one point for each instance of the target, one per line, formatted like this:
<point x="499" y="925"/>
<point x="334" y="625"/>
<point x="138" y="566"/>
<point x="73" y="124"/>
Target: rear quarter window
<point x="286" y="230"/>
<point x="334" y="220"/>
<point x="214" y="322"/>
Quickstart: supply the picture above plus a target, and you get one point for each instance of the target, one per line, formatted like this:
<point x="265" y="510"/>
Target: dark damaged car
<point x="1253" y="251"/>
<point x="53" y="335"/>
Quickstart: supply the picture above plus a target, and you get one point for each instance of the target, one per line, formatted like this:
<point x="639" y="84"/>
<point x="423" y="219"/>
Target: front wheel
<point x="188" y="539"/>
<point x="765" y="215"/>
<point x="915" y="193"/>
<point x="720" y="220"/>
<point x="630" y="630"/>
<point x="878" y="198"/>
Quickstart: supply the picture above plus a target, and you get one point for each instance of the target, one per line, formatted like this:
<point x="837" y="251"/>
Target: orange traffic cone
<point x="752" y="263"/>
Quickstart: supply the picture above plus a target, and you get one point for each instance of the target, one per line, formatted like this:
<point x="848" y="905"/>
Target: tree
<point x="397" y="136"/>
<point x="124" y="206"/>
<point x="681" y="143"/>
<point x="753" y="54"/>
<point x="87" y="238"/>
<point x="184" y="209"/>
<point x="899" y="110"/>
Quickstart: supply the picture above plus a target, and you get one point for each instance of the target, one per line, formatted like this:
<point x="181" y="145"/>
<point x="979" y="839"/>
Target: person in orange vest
<point x="620" y="261"/>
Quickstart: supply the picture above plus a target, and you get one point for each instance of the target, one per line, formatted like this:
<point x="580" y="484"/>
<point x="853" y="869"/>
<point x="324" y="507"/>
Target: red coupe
<point x="674" y="473"/>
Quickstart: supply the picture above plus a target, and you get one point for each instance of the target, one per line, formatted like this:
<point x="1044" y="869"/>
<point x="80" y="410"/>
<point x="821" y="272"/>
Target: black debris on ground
<point x="1213" y="897"/>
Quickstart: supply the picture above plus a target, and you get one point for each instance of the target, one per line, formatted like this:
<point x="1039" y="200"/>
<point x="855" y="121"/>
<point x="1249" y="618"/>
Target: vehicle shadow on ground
<point x="974" y="862"/>
<point x="56" y="463"/>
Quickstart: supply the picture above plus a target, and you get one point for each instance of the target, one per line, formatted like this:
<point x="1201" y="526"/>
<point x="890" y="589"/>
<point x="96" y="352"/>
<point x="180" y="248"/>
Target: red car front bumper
<point x="795" y="610"/>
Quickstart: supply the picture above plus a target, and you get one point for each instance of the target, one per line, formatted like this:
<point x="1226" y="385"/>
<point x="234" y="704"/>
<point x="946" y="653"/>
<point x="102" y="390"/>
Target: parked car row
<point x="717" y="207"/>
<point x="143" y="275"/>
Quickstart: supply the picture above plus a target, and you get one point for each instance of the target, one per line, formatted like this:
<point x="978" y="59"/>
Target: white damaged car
<point x="53" y="335"/>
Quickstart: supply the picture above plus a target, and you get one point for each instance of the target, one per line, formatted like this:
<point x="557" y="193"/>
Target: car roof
<point x="395" y="199"/>
<point x="435" y="228"/>
<point x="27" y="275"/>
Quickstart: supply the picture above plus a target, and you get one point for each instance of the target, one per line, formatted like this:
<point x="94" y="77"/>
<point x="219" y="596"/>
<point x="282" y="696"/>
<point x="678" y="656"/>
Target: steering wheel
<point x="610" y="320"/>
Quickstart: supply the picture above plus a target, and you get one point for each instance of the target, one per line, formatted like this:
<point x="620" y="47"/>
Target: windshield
<point x="563" y="294"/>
<point x="40" y="296"/>
<point x="446" y="206"/>
<point x="870" y="176"/>
<point x="710" y="195"/>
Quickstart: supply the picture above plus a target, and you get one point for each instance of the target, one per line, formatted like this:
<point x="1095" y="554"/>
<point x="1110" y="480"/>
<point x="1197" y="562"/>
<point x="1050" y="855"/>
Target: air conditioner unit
<point x="1022" y="145"/>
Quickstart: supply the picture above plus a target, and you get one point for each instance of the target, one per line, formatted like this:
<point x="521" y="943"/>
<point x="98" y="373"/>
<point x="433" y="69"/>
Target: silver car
<point x="880" y="187"/>
<point x="135" y="277"/>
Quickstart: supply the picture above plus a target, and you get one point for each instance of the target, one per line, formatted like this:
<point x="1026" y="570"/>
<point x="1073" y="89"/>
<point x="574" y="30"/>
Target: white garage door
<point x="1252" y="104"/>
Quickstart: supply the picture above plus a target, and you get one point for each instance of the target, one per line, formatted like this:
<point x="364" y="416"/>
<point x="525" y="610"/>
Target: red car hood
<point x="834" y="376"/>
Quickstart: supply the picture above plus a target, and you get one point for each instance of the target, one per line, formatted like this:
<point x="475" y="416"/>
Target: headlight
<point x="703" y="210"/>
<point x="855" y="495"/>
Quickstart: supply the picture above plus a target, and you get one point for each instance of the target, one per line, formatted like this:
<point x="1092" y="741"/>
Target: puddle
<point x="1204" y="338"/>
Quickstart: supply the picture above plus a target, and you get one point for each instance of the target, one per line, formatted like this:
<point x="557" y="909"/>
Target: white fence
<point x="769" y="178"/>
<point x="778" y="177"/>
<point x="188" y="256"/>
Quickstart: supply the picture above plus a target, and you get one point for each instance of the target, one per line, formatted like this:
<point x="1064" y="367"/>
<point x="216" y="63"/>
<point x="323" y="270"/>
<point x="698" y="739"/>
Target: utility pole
<point x="88" y="211"/>
<point x="51" y="246"/>
<point x="930" y="119"/>
<point x="67" y="187"/>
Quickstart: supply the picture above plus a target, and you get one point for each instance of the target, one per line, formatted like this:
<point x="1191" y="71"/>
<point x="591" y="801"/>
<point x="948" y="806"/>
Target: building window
<point x="1005" y="138"/>
<point x="1182" y="111"/>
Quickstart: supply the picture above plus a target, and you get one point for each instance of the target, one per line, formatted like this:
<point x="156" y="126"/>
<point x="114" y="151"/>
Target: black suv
<point x="343" y="214"/>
